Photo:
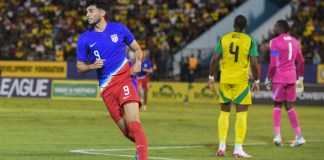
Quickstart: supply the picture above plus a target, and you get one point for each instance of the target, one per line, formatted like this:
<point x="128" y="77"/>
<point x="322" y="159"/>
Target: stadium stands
<point x="48" y="30"/>
<point x="42" y="29"/>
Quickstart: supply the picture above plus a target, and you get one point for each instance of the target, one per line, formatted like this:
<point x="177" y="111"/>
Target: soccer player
<point x="238" y="52"/>
<point x="103" y="47"/>
<point x="281" y="78"/>
<point x="143" y="78"/>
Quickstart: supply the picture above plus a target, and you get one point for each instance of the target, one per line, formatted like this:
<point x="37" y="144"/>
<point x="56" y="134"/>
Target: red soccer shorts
<point x="144" y="82"/>
<point x="284" y="92"/>
<point x="115" y="97"/>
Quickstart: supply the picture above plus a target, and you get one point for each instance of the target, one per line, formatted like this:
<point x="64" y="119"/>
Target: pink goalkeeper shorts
<point x="284" y="92"/>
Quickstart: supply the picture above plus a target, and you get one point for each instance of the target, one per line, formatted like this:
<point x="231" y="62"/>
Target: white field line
<point x="117" y="155"/>
<point x="95" y="151"/>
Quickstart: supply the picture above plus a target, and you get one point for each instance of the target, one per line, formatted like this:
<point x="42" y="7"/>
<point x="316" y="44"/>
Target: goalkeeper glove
<point x="267" y="83"/>
<point x="300" y="85"/>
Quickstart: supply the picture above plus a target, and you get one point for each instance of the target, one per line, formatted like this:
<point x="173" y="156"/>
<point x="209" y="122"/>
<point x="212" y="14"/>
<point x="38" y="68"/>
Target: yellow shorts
<point x="236" y="93"/>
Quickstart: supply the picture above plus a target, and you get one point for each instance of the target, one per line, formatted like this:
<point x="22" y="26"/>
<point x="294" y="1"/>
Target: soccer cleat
<point x="136" y="156"/>
<point x="220" y="153"/>
<point x="277" y="141"/>
<point x="241" y="154"/>
<point x="298" y="141"/>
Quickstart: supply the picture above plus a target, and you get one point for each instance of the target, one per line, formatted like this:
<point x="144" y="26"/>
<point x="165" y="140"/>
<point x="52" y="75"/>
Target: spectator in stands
<point x="59" y="55"/>
<point x="192" y="66"/>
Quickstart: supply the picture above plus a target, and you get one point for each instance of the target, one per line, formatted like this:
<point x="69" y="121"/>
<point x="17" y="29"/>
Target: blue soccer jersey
<point x="147" y="65"/>
<point x="109" y="45"/>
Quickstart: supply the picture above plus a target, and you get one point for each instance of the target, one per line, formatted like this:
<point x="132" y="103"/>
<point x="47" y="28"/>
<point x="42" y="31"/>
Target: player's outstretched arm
<point x="213" y="67"/>
<point x="82" y="67"/>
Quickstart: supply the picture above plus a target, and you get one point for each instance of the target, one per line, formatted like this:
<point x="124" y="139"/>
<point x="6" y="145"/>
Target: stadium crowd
<point x="48" y="29"/>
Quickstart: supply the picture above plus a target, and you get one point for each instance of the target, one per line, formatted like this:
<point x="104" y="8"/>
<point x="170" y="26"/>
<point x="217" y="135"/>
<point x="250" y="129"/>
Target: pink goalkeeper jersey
<point x="285" y="52"/>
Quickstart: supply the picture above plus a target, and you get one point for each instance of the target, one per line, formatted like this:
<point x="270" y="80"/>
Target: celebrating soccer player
<point x="143" y="78"/>
<point x="281" y="79"/>
<point x="238" y="51"/>
<point x="104" y="46"/>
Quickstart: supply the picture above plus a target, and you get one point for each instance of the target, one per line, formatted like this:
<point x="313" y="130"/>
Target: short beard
<point x="93" y="24"/>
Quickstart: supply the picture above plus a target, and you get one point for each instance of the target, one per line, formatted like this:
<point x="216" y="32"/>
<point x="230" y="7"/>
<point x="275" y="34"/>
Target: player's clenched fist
<point x="136" y="68"/>
<point x="98" y="64"/>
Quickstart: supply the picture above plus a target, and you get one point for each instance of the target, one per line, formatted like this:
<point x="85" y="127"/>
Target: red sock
<point x="127" y="135"/>
<point x="135" y="129"/>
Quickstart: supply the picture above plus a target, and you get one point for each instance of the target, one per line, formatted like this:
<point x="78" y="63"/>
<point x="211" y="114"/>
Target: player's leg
<point x="140" y="87"/>
<point x="223" y="124"/>
<point x="129" y="99"/>
<point x="145" y="88"/>
<point x="135" y="129"/>
<point x="145" y="91"/>
<point x="240" y="130"/>
<point x="223" y="120"/>
<point x="123" y="127"/>
<point x="278" y="92"/>
<point x="116" y="112"/>
<point x="276" y="117"/>
<point x="242" y="100"/>
<point x="292" y="114"/>
<point x="293" y="118"/>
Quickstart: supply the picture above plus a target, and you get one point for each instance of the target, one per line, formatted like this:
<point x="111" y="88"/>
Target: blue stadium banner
<point x="25" y="87"/>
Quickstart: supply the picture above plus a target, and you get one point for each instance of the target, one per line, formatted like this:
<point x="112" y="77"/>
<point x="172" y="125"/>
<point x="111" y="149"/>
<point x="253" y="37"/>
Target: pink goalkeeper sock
<point x="293" y="117"/>
<point x="276" y="119"/>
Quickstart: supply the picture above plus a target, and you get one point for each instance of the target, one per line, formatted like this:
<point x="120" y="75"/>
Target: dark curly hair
<point x="102" y="4"/>
<point x="240" y="22"/>
<point x="283" y="25"/>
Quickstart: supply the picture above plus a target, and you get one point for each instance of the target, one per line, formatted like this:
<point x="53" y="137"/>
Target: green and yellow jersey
<point x="236" y="49"/>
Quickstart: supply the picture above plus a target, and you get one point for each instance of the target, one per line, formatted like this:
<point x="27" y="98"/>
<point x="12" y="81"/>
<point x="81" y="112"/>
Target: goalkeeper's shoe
<point x="298" y="141"/>
<point x="241" y="154"/>
<point x="277" y="141"/>
<point x="220" y="153"/>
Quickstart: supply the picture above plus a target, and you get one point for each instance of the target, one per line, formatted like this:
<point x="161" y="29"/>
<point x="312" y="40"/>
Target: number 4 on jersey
<point x="235" y="52"/>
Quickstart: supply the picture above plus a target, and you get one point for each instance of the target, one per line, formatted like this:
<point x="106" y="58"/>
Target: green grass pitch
<point x="44" y="129"/>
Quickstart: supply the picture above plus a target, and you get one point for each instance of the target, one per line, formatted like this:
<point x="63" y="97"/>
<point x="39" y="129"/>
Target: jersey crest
<point x="114" y="38"/>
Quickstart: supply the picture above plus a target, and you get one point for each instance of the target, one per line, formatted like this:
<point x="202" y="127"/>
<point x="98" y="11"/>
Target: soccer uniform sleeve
<point x="129" y="37"/>
<point x="219" y="49"/>
<point x="149" y="65"/>
<point x="81" y="50"/>
<point x="300" y="63"/>
<point x="254" y="48"/>
<point x="273" y="58"/>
